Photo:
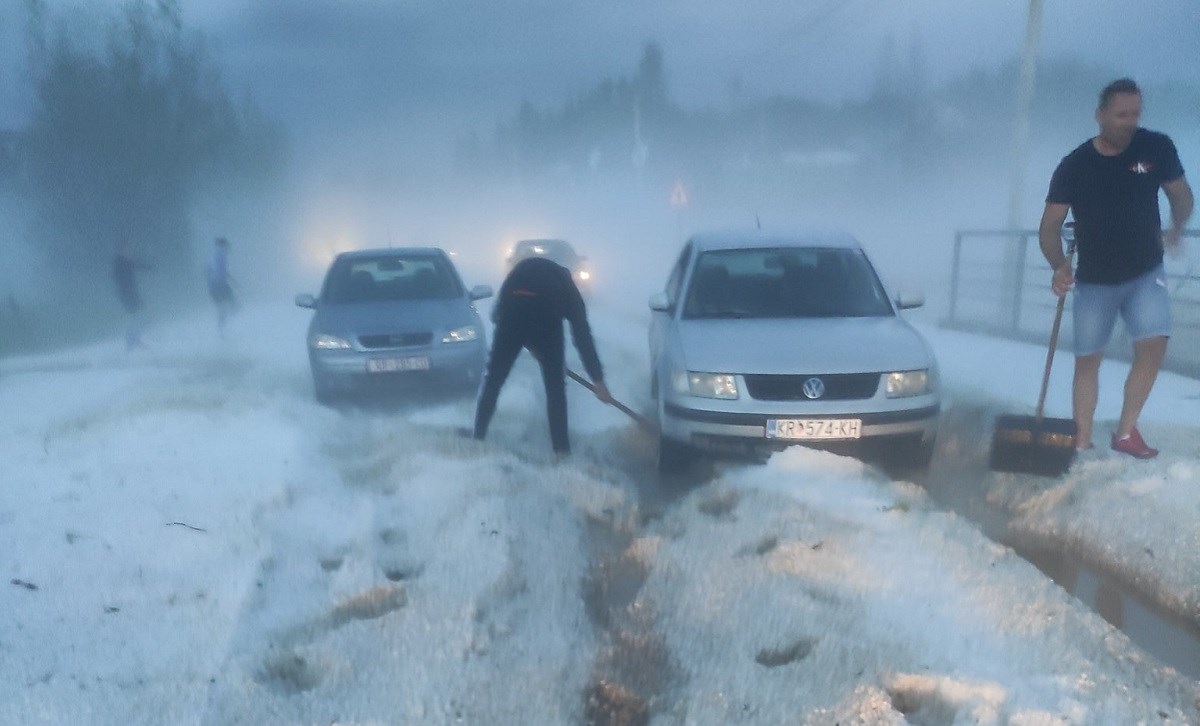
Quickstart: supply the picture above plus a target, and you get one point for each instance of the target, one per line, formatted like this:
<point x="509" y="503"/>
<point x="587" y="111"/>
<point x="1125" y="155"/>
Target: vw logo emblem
<point x="814" y="388"/>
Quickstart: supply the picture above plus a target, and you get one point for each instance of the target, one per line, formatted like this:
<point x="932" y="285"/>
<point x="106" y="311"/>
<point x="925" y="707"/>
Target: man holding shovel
<point x="534" y="299"/>
<point x="1110" y="185"/>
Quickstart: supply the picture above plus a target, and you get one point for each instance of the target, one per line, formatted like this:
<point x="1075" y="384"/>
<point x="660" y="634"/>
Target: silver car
<point x="760" y="342"/>
<point x="389" y="319"/>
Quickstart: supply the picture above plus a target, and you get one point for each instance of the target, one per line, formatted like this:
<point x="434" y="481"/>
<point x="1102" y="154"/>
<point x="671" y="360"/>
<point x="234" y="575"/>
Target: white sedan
<point x="760" y="342"/>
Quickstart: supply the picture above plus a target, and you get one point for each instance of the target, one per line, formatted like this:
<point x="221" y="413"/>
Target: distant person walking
<point x="220" y="287"/>
<point x="534" y="299"/>
<point x="1110" y="185"/>
<point x="124" y="274"/>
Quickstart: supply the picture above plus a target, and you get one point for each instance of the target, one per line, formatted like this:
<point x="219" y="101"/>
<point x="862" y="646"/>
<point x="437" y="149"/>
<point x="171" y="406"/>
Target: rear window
<point x="393" y="277"/>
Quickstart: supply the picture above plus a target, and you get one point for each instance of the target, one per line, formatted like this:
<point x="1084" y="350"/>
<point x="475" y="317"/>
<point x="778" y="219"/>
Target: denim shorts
<point x="1142" y="302"/>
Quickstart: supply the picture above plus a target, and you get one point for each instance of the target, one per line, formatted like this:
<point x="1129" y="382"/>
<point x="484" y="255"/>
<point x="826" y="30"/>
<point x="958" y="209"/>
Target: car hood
<point x="813" y="345"/>
<point x="395" y="316"/>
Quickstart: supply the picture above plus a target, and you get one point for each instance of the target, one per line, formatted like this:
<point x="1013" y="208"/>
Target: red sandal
<point x="1134" y="445"/>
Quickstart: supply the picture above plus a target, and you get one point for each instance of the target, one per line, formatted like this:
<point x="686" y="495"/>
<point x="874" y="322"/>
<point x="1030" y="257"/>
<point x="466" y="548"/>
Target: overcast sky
<point x="330" y="62"/>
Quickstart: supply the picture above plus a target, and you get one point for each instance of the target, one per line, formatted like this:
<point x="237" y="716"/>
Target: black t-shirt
<point x="1114" y="200"/>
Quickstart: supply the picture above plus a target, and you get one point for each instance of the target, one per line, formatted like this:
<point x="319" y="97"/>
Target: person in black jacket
<point x="124" y="274"/>
<point x="534" y="299"/>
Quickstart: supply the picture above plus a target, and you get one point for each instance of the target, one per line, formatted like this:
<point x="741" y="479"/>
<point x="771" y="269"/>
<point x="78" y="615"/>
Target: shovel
<point x="1036" y="444"/>
<point x="640" y="419"/>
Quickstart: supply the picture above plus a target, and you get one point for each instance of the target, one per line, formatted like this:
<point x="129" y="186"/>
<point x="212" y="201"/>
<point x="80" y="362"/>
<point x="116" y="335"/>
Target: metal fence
<point x="1000" y="285"/>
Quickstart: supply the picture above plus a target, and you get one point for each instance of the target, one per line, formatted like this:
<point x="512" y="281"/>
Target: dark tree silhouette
<point x="124" y="136"/>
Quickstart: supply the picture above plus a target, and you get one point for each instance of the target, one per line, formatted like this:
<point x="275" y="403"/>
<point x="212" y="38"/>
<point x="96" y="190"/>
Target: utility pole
<point x="1014" y="254"/>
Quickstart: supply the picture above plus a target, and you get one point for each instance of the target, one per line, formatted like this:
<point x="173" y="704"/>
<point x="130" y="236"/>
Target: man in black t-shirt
<point x="534" y="299"/>
<point x="1110" y="185"/>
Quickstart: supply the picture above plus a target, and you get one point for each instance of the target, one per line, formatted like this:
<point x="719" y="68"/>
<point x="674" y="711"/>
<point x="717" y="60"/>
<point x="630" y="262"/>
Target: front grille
<point x="838" y="386"/>
<point x="395" y="340"/>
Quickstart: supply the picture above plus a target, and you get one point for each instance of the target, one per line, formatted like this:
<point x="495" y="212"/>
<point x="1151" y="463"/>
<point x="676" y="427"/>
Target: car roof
<point x="756" y="239"/>
<point x="548" y="241"/>
<point x="386" y="251"/>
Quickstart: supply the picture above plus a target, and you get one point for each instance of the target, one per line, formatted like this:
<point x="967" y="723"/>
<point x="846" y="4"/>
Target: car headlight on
<point x="329" y="342"/>
<point x="907" y="383"/>
<point x="461" y="335"/>
<point x="705" y="385"/>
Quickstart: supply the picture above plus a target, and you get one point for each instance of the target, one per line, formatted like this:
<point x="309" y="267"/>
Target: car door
<point x="661" y="320"/>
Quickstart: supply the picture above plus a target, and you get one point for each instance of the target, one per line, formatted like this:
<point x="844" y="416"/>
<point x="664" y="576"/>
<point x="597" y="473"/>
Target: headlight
<point x="461" y="335"/>
<point x="329" y="342"/>
<point x="907" y="383"/>
<point x="705" y="385"/>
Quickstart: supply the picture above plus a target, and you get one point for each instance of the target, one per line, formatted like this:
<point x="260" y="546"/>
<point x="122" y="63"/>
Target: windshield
<point x="805" y="282"/>
<point x="392" y="277"/>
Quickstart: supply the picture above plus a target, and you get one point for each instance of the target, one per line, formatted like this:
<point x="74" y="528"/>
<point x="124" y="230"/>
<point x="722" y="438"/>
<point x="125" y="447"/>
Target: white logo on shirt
<point x="1142" y="167"/>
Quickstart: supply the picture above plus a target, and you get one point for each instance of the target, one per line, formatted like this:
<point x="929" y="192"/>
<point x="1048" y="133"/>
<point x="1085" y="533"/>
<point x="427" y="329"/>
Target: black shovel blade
<point x="1029" y="445"/>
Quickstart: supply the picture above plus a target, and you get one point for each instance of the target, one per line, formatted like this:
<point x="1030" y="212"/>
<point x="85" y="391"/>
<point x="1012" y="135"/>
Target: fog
<point x="471" y="125"/>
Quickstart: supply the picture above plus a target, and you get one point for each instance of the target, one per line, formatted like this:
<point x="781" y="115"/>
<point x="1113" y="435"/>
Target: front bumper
<point x="450" y="365"/>
<point x="744" y="433"/>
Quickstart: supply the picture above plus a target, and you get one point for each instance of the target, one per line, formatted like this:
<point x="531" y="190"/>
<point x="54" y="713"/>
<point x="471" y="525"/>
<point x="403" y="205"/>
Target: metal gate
<point x="1020" y="306"/>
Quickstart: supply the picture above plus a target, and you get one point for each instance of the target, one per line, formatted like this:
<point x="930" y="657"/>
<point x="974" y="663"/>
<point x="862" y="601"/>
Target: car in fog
<point x="759" y="342"/>
<point x="559" y="251"/>
<point x="394" y="319"/>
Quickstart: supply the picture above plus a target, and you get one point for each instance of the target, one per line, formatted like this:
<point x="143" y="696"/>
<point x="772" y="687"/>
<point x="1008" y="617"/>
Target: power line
<point x="815" y="20"/>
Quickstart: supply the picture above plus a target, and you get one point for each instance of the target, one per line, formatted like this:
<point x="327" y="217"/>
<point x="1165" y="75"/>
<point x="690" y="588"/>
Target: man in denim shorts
<point x="1110" y="185"/>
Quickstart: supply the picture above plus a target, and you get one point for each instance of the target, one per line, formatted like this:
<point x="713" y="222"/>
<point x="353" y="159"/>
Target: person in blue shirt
<point x="220" y="287"/>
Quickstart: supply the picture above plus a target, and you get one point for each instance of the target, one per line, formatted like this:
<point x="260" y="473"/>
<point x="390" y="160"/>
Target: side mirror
<point x="659" y="302"/>
<point x="909" y="299"/>
<point x="479" y="292"/>
<point x="306" y="301"/>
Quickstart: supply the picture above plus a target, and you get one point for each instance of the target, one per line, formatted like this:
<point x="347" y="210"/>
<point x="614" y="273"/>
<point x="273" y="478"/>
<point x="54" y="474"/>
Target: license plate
<point x="395" y="365"/>
<point x="814" y="428"/>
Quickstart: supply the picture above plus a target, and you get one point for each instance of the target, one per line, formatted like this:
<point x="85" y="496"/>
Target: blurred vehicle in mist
<point x="395" y="320"/>
<point x="559" y="251"/>
<point x="760" y="342"/>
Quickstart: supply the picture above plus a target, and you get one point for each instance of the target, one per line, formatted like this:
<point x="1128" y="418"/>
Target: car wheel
<point x="914" y="453"/>
<point x="322" y="392"/>
<point x="470" y="383"/>
<point x="673" y="456"/>
<point x="924" y="454"/>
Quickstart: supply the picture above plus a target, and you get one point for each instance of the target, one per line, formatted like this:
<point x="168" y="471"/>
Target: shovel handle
<point x="640" y="419"/>
<point x="1058" y="313"/>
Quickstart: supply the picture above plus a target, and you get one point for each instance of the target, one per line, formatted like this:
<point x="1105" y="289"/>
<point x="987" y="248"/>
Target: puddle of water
<point x="957" y="481"/>
<point x="1176" y="644"/>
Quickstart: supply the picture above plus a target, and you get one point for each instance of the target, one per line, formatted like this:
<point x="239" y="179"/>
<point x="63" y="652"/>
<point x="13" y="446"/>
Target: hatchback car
<point x="394" y="318"/>
<point x="559" y="251"/>
<point x="760" y="342"/>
